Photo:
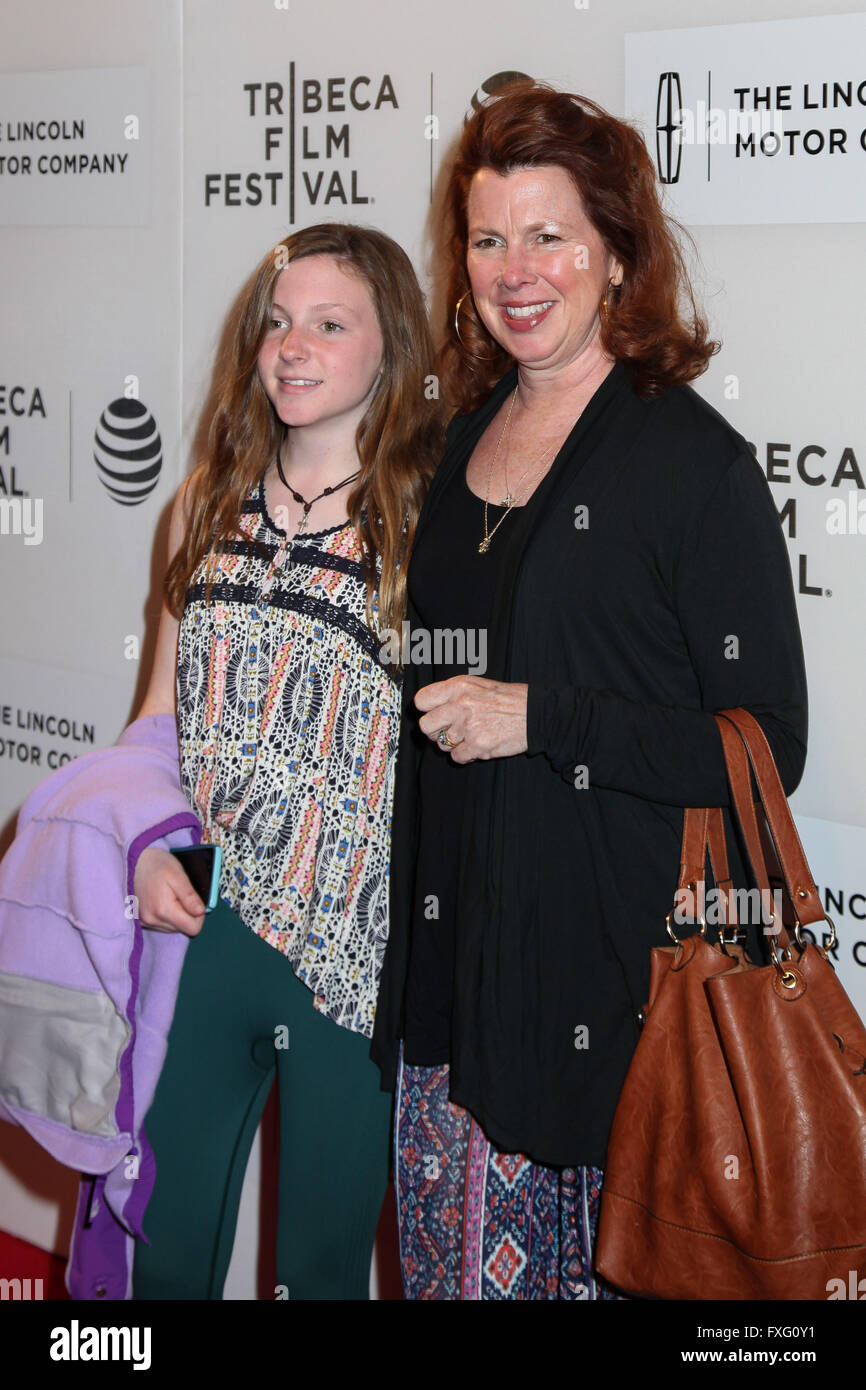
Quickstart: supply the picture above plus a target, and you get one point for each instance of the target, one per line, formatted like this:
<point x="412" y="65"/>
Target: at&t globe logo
<point x="128" y="451"/>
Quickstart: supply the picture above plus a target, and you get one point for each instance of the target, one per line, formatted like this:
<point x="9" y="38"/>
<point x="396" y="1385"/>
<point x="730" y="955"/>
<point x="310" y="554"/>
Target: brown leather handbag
<point x="736" y="1167"/>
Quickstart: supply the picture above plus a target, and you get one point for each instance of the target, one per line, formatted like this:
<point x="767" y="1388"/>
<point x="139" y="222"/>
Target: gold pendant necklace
<point x="510" y="498"/>
<point x="484" y="544"/>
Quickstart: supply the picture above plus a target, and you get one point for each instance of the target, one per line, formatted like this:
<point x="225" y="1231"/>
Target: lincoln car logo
<point x="669" y="104"/>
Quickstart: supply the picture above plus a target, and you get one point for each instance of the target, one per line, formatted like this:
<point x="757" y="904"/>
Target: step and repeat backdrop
<point x="151" y="154"/>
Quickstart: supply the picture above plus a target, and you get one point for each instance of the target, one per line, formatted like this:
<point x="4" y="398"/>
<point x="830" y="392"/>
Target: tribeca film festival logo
<point x="818" y="467"/>
<point x="127" y="448"/>
<point x="307" y="155"/>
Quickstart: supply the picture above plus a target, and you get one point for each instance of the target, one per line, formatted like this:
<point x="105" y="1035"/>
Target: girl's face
<point x="321" y="355"/>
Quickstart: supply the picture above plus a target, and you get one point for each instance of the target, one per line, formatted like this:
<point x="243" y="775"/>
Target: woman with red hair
<point x="610" y="543"/>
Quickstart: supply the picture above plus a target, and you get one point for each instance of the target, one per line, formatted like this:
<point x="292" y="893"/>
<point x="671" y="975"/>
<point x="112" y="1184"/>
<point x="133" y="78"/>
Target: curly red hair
<point x="651" y="321"/>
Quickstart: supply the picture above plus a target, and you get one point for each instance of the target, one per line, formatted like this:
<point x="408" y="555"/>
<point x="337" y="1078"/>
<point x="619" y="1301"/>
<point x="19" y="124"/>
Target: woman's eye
<point x="276" y="323"/>
<point x="330" y="327"/>
<point x="484" y="242"/>
<point x="548" y="236"/>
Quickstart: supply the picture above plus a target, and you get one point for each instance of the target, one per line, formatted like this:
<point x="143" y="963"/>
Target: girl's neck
<point x="285" y="500"/>
<point x="309" y="460"/>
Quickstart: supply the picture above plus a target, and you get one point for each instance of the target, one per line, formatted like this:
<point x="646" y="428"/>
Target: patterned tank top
<point x="288" y="722"/>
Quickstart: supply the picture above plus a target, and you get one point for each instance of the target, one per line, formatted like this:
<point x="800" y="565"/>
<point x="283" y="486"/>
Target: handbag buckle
<point x="730" y="934"/>
<point x="670" y="931"/>
<point x="827" y="945"/>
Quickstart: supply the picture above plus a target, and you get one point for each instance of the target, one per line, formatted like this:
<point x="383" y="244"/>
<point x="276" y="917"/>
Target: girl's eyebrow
<point x="316" y="308"/>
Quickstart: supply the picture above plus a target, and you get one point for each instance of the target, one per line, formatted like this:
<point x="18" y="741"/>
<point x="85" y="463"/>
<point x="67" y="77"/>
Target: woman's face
<point x="537" y="266"/>
<point x="323" y="349"/>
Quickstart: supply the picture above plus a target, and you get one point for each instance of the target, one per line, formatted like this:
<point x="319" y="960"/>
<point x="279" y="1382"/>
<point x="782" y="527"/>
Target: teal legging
<point x="238" y="1000"/>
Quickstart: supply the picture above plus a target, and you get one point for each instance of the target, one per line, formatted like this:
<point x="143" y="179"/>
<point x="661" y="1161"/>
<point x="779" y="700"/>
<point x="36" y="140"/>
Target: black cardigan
<point x="646" y="584"/>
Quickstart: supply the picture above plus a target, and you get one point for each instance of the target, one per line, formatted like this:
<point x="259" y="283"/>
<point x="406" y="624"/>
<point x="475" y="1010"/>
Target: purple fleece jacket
<point x="86" y="994"/>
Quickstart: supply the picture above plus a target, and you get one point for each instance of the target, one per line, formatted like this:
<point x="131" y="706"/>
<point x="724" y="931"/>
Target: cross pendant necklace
<point x="326" y="492"/>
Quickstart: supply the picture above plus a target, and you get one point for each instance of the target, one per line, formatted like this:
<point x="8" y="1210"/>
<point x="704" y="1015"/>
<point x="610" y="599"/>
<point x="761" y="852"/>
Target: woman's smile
<point x="522" y="318"/>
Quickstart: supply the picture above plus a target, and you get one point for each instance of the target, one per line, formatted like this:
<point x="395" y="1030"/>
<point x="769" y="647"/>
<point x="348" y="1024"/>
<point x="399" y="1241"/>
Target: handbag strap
<point x="792" y="860"/>
<point x="737" y="764"/>
<point x="745" y="747"/>
<point x="705" y="828"/>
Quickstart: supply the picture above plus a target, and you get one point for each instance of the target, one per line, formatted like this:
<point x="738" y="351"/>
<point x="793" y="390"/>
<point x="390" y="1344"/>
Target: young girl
<point x="290" y="543"/>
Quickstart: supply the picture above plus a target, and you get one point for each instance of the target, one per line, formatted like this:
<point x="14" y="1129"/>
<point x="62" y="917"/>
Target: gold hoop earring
<point x="602" y="310"/>
<point x="478" y="355"/>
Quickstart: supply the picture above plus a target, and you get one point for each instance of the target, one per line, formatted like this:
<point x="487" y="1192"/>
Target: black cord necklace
<point x="302" y="526"/>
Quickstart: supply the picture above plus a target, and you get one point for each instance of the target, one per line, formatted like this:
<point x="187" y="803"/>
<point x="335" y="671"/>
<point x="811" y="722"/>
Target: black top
<point x="451" y="587"/>
<point x="645" y="584"/>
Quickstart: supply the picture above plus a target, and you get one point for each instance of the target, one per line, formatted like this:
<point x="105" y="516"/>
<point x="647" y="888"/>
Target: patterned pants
<point x="475" y="1223"/>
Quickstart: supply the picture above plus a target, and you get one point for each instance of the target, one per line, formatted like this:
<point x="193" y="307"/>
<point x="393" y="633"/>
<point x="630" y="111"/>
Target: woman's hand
<point x="485" y="719"/>
<point x="167" y="900"/>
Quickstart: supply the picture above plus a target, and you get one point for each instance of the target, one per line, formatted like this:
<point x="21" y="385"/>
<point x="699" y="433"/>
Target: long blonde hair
<point x="399" y="440"/>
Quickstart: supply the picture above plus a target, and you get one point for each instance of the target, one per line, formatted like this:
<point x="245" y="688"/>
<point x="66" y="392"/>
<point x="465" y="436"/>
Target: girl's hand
<point x="485" y="719"/>
<point x="167" y="900"/>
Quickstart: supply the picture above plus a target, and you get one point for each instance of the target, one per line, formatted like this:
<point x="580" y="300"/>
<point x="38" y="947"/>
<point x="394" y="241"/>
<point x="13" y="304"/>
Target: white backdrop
<point x="251" y="118"/>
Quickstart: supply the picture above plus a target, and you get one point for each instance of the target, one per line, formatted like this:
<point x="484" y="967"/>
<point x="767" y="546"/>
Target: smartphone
<point x="202" y="865"/>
